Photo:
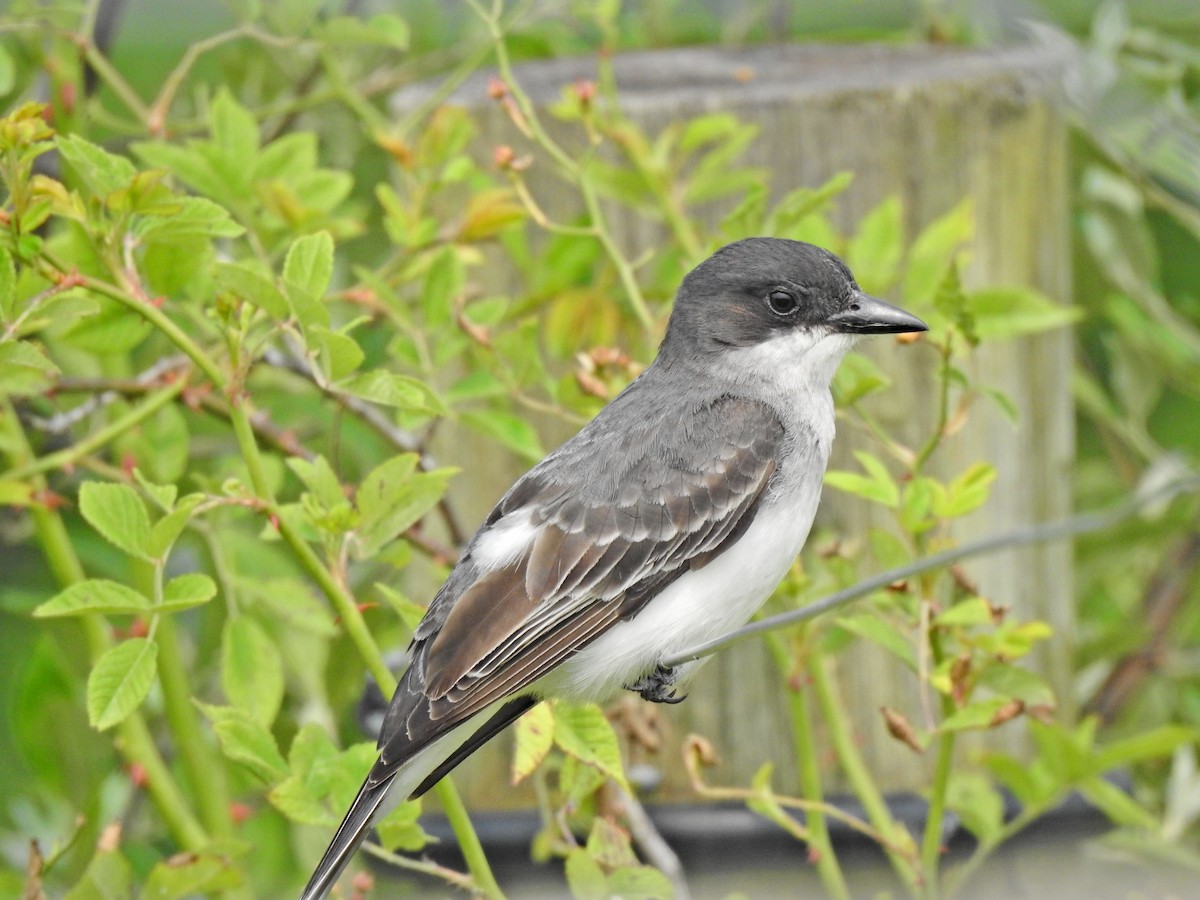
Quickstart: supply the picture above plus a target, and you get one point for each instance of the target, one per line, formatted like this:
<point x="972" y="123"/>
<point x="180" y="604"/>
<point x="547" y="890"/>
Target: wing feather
<point x="614" y="526"/>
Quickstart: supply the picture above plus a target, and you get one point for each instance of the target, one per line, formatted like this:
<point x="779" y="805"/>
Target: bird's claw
<point x="657" y="687"/>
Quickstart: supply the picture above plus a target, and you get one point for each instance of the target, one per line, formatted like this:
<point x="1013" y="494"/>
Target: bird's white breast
<point x="703" y="604"/>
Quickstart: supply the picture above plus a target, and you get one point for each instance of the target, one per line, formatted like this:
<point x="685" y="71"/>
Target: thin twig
<point x="652" y="844"/>
<point x="1059" y="529"/>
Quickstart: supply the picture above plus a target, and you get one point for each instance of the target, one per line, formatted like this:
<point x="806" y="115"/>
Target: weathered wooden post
<point x="932" y="125"/>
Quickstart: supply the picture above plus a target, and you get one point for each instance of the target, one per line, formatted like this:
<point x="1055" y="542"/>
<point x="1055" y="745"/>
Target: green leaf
<point x="102" y="173"/>
<point x="252" y="287"/>
<point x="24" y="370"/>
<point x="640" y="883"/>
<point x="1117" y="805"/>
<point x="443" y="286"/>
<point x="968" y="612"/>
<point x="117" y="512"/>
<point x="191" y="875"/>
<point x="878" y="486"/>
<point x="166" y="530"/>
<point x="251" y="670"/>
<point x="381" y="30"/>
<point x="246" y="740"/>
<point x="977" y="803"/>
<point x="873" y="254"/>
<point x="1158" y="743"/>
<point x="390" y="389"/>
<point x="513" y="432"/>
<point x="94" y="596"/>
<point x="393" y="497"/>
<point x="585" y="878"/>
<point x="965" y="493"/>
<point x="534" y="737"/>
<point x="857" y="377"/>
<point x="234" y="129"/>
<point x="583" y="732"/>
<point x="880" y="631"/>
<point x="974" y="715"/>
<point x="186" y="591"/>
<point x="934" y="249"/>
<point x="318" y="476"/>
<point x="308" y="267"/>
<point x="1007" y="311"/>
<point x="120" y="681"/>
<point x="8" y="285"/>
<point x="340" y="353"/>
<point x="188" y="216"/>
<point x="108" y="877"/>
<point x="400" y="831"/>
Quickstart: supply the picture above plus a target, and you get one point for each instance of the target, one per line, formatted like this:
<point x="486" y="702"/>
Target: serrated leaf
<point x="188" y="216"/>
<point x="191" y="875"/>
<point x="117" y="512"/>
<point x="101" y="172"/>
<point x="878" y="485"/>
<point x="443" y="285"/>
<point x="318" y="476"/>
<point x="162" y="494"/>
<point x="166" y="530"/>
<point x="247" y="741"/>
<point x="394" y="497"/>
<point x="120" y="681"/>
<point x="882" y="632"/>
<point x="534" y="737"/>
<point x="24" y="370"/>
<point x="252" y="287"/>
<point x="391" y="389"/>
<point x="186" y="591"/>
<point x="583" y="732"/>
<point x="234" y="129"/>
<point x="251" y="670"/>
<point x="95" y="595"/>
<point x="308" y="267"/>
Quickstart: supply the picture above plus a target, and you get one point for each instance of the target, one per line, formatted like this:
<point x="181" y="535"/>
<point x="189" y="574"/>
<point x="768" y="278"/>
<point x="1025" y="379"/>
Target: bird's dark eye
<point x="782" y="303"/>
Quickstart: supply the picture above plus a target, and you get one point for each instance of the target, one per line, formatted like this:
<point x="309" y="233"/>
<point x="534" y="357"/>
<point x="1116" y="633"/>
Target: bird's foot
<point x="657" y="687"/>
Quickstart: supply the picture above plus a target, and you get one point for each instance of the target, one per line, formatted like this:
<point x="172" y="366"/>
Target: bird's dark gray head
<point x="754" y="290"/>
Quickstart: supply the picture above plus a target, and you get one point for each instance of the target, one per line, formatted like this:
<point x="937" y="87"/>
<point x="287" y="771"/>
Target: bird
<point x="666" y="521"/>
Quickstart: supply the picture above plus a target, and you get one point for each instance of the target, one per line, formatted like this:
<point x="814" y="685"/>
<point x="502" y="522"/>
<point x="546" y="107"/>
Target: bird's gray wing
<point x="617" y="517"/>
<point x="616" y="514"/>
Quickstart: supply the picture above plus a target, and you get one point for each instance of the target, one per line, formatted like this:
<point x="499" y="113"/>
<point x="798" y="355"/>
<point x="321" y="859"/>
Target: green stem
<point x="931" y="841"/>
<point x="468" y="840"/>
<point x="571" y="168"/>
<point x="134" y="740"/>
<point x="858" y="775"/>
<point x="70" y="455"/>
<point x="204" y="771"/>
<point x="828" y="867"/>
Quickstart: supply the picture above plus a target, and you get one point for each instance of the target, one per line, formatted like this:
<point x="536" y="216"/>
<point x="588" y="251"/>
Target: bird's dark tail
<point x="347" y="838"/>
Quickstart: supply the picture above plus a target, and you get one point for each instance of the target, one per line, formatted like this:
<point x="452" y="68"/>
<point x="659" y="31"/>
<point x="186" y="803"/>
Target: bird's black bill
<point x="868" y="315"/>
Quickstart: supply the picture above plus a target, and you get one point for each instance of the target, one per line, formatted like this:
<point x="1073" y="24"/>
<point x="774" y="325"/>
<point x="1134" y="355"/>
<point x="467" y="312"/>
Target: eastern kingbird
<point x="665" y="522"/>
